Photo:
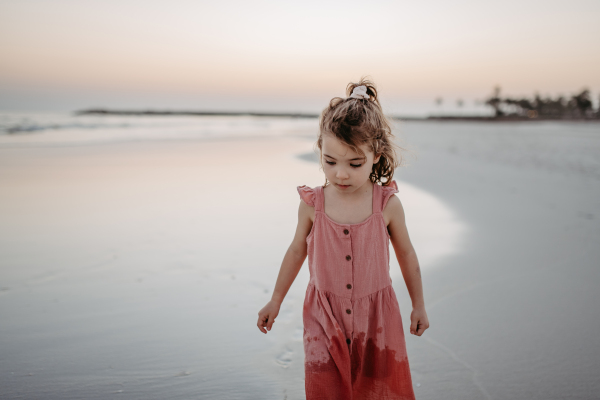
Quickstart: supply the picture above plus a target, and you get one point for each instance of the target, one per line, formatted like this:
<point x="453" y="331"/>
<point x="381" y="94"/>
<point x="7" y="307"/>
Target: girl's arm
<point x="409" y="264"/>
<point x="292" y="262"/>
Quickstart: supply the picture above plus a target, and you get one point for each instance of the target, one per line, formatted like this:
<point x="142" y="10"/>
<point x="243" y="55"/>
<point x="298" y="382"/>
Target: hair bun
<point x="364" y="89"/>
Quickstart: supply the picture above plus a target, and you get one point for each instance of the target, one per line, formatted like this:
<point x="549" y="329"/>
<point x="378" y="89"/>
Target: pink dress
<point x="353" y="339"/>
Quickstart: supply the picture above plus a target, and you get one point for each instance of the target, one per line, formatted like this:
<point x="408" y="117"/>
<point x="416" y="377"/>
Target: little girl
<point x="353" y="339"/>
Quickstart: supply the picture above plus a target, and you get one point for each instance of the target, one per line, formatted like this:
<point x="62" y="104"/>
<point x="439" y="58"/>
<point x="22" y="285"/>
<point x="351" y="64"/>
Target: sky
<point x="291" y="56"/>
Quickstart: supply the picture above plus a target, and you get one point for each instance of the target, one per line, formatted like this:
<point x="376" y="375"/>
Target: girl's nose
<point x="341" y="174"/>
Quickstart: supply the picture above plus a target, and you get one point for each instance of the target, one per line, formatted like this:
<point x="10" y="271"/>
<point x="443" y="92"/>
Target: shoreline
<point x="444" y="118"/>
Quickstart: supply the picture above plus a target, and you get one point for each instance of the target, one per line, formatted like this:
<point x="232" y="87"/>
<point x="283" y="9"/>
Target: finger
<point x="421" y="329"/>
<point x="413" y="326"/>
<point x="260" y="327"/>
<point x="270" y="323"/>
<point x="262" y="323"/>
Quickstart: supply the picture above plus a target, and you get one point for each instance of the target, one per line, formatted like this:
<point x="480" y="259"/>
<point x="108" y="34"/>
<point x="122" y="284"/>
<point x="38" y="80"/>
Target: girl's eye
<point x="355" y="166"/>
<point x="330" y="162"/>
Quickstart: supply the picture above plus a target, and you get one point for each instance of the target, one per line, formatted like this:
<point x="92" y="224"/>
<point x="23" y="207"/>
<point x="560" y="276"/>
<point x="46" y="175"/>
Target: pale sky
<point x="292" y="56"/>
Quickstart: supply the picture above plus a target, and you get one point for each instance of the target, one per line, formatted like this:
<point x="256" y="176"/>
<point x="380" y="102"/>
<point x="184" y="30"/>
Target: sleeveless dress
<point x="354" y="344"/>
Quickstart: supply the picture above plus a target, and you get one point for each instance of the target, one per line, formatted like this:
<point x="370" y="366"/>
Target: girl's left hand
<point x="266" y="316"/>
<point x="418" y="321"/>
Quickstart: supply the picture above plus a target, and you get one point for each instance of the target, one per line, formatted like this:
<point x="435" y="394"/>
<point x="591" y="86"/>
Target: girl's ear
<point x="376" y="159"/>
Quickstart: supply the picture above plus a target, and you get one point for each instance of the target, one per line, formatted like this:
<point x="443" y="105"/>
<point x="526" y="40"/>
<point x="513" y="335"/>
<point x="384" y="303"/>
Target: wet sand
<point x="136" y="269"/>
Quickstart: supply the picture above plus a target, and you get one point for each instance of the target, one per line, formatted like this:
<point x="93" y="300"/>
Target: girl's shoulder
<point x="390" y="189"/>
<point x="387" y="192"/>
<point x="308" y="194"/>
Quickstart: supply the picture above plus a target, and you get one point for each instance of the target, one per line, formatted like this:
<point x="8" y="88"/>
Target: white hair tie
<point x="360" y="92"/>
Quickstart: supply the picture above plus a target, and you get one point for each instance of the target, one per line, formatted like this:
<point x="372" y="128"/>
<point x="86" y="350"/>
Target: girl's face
<point x="345" y="169"/>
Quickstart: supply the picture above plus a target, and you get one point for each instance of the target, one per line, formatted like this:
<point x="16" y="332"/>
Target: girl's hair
<point x="357" y="121"/>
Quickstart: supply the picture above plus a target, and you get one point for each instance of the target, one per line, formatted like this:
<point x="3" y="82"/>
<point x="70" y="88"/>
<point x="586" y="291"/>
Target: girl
<point x="353" y="339"/>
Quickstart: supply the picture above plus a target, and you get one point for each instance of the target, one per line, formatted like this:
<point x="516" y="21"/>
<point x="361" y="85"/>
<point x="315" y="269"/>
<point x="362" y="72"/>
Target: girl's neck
<point x="349" y="208"/>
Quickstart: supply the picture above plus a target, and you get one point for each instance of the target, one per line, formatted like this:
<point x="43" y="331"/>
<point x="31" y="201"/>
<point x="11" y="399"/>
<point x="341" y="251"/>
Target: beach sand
<point x="516" y="315"/>
<point x="137" y="268"/>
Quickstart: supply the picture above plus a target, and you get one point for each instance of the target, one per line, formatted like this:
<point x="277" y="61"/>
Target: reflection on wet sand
<point x="139" y="267"/>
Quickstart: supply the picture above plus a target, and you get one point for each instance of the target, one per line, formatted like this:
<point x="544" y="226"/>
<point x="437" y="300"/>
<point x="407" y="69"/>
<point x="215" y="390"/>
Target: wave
<point x="25" y="129"/>
<point x="33" y="127"/>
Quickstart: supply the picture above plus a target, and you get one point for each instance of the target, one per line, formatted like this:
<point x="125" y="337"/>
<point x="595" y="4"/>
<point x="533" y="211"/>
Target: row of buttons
<point x="348" y="258"/>
<point x="349" y="286"/>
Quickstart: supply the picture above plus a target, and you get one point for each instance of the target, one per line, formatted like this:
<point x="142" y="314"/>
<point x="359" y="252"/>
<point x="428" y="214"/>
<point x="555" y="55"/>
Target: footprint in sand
<point x="285" y="358"/>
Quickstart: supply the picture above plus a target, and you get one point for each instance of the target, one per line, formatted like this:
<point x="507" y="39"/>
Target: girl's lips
<point x="343" y="186"/>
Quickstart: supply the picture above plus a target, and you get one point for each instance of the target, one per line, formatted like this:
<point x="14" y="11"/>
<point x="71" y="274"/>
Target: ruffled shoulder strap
<point x="386" y="193"/>
<point x="310" y="196"/>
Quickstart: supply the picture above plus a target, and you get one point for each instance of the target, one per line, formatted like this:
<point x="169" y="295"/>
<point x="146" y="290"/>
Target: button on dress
<point x="354" y="345"/>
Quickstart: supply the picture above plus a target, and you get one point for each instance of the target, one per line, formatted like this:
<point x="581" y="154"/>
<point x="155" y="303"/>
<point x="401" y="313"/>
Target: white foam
<point x="436" y="231"/>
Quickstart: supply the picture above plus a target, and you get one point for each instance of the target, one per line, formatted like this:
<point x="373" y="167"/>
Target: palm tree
<point x="583" y="103"/>
<point x="495" y="102"/>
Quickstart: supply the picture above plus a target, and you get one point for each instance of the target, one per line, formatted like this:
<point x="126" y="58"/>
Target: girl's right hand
<point x="266" y="316"/>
